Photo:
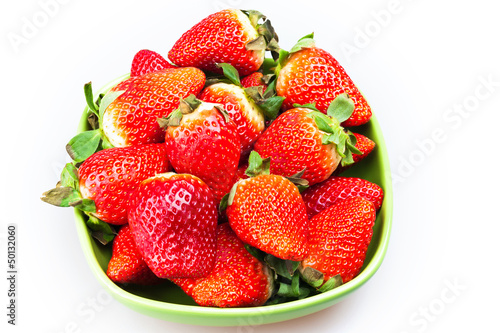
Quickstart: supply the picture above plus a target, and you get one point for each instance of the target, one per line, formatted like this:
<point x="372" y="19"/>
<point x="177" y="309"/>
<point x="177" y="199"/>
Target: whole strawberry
<point x="146" y="61"/>
<point x="173" y="219"/>
<point x="247" y="116"/>
<point x="267" y="212"/>
<point x="201" y="140"/>
<point x="325" y="194"/>
<point x="126" y="264"/>
<point x="130" y="119"/>
<point x="305" y="139"/>
<point x="105" y="180"/>
<point x="309" y="74"/>
<point x="338" y="239"/>
<point x="229" y="36"/>
<point x="237" y="280"/>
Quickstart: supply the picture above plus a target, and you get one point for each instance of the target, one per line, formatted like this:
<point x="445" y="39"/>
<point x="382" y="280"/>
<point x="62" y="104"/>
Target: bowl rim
<point x="306" y="305"/>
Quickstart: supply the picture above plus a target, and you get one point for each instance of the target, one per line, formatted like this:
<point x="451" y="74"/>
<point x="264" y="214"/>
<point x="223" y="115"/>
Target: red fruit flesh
<point x="146" y="61"/>
<point x="131" y="119"/>
<point x="312" y="75"/>
<point x="293" y="142"/>
<point x="339" y="237"/>
<point x="206" y="146"/>
<point x="173" y="218"/>
<point x="237" y="280"/>
<point x="268" y="213"/>
<point x="126" y="264"/>
<point x="325" y="194"/>
<point x="219" y="38"/>
<point x="109" y="176"/>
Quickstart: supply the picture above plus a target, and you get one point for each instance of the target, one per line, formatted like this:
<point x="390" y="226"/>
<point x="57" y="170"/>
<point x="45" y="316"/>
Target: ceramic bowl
<point x="168" y="302"/>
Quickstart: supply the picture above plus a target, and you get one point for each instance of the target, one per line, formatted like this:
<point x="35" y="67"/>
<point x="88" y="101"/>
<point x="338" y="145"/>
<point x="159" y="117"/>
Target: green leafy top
<point x="268" y="39"/>
<point x="339" y="110"/>
<point x="303" y="43"/>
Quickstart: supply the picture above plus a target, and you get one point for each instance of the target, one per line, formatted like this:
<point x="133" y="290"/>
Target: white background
<point x="418" y="66"/>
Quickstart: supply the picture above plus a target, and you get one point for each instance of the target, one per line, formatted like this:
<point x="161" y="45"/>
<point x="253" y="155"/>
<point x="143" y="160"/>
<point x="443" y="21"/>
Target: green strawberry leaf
<point x="189" y="104"/>
<point x="271" y="107"/>
<point x="341" y="107"/>
<point x="101" y="230"/>
<point x="284" y="268"/>
<point x="89" y="97"/>
<point x="85" y="205"/>
<point x="223" y="112"/>
<point x="83" y="145"/>
<point x="257" y="166"/>
<point x="107" y="100"/>
<point x="257" y="44"/>
<point x="231" y="73"/>
<point x="293" y="290"/>
<point x="305" y="42"/>
<point x="69" y="176"/>
<point x="312" y="276"/>
<point x="332" y="283"/>
<point x="255" y="252"/>
<point x="61" y="196"/>
<point x="298" y="181"/>
<point x="323" y="122"/>
<point x="173" y="119"/>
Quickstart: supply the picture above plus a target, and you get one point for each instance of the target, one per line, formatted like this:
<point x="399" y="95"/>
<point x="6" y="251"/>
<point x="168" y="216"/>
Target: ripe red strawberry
<point x="109" y="176"/>
<point x="237" y="280"/>
<point x="203" y="142"/>
<point x="267" y="212"/>
<point x="312" y="75"/>
<point x="229" y="36"/>
<point x="146" y="61"/>
<point x="365" y="147"/>
<point x="301" y="138"/>
<point x="173" y="219"/>
<point x="131" y="118"/>
<point x="339" y="237"/>
<point x="325" y="194"/>
<point x="254" y="80"/>
<point x="126" y="264"/>
<point x="247" y="116"/>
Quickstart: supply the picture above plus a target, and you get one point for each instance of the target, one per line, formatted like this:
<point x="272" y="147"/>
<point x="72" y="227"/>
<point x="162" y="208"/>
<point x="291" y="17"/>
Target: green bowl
<point x="168" y="302"/>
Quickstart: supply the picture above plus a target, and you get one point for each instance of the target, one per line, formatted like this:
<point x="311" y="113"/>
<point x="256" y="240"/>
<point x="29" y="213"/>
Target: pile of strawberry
<point x="228" y="188"/>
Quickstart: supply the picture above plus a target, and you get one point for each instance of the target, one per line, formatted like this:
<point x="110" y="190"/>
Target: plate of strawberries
<point x="230" y="181"/>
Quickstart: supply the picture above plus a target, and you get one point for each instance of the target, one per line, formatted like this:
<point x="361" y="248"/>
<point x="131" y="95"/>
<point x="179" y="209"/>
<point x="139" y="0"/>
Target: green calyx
<point x="315" y="279"/>
<point x="267" y="101"/>
<point x="186" y="106"/>
<point x="339" y="110"/>
<point x="84" y="144"/>
<point x="67" y="194"/>
<point x="268" y="39"/>
<point x="303" y="43"/>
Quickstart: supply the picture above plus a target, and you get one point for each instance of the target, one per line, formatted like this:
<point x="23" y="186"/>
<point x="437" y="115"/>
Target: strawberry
<point x="254" y="80"/>
<point x="267" y="212"/>
<point x="229" y="36"/>
<point x="126" y="264"/>
<point x="364" y="145"/>
<point x="237" y="280"/>
<point x="308" y="74"/>
<point x="247" y="116"/>
<point x="202" y="141"/>
<point x="338" y="238"/>
<point x="130" y="119"/>
<point x="146" y="61"/>
<point x="173" y="219"/>
<point x="302" y="138"/>
<point x="325" y="194"/>
<point x="103" y="183"/>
